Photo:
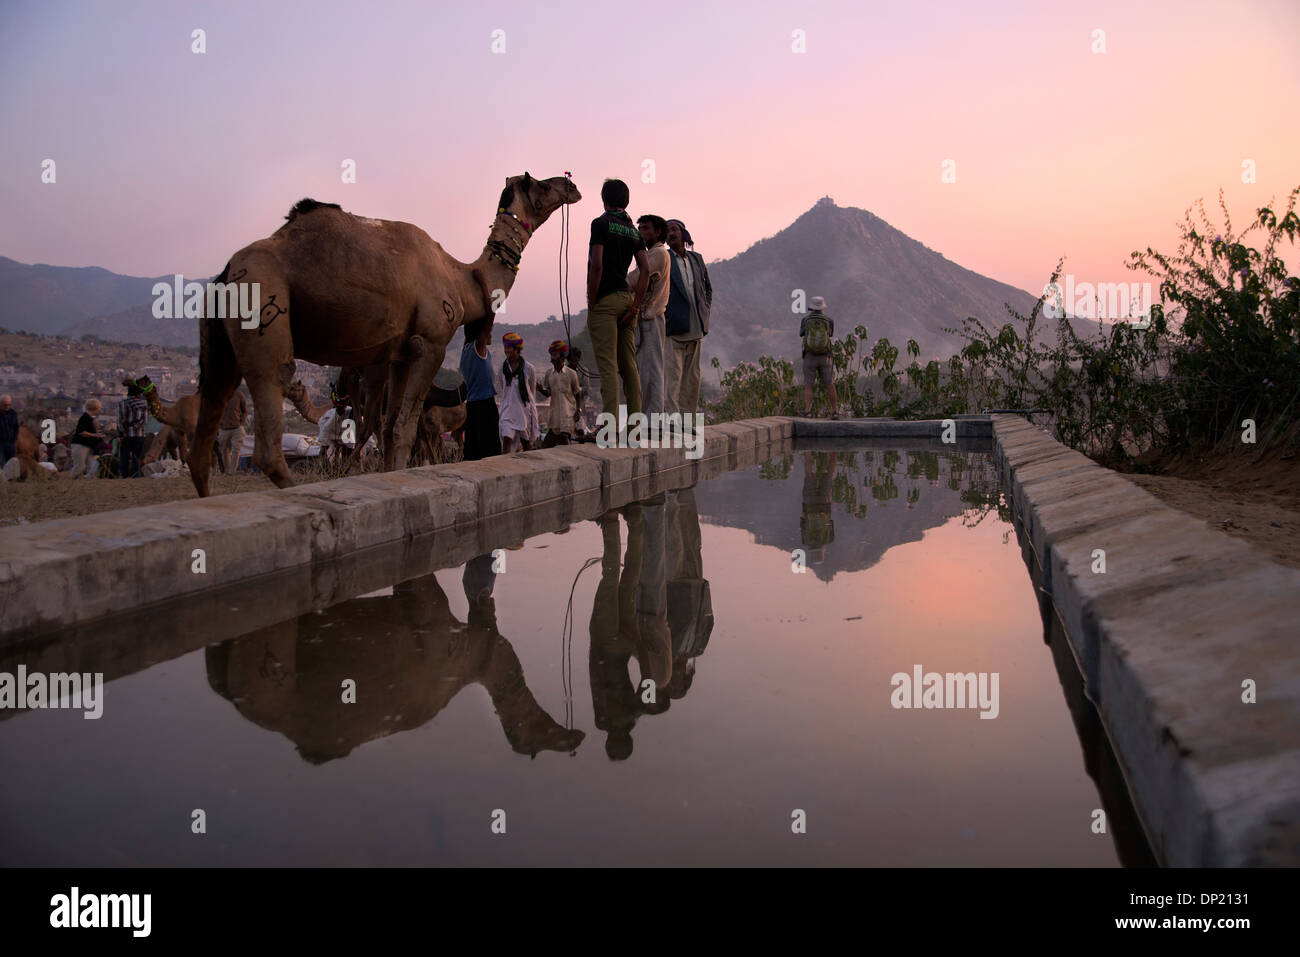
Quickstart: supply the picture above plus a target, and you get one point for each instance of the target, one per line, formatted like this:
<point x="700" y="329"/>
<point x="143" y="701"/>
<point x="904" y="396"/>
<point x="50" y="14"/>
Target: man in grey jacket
<point x="686" y="321"/>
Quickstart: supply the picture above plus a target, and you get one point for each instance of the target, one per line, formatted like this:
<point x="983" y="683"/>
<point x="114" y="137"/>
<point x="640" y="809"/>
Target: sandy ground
<point x="1265" y="519"/>
<point x="60" y="497"/>
<point x="1250" y="493"/>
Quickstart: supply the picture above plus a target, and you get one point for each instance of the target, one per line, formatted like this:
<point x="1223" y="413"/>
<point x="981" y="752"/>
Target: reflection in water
<point x="656" y="607"/>
<point x="409" y="657"/>
<point x="856" y="504"/>
<point x="775" y="708"/>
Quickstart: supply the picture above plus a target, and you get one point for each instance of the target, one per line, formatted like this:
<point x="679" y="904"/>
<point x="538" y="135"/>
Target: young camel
<point x="365" y="292"/>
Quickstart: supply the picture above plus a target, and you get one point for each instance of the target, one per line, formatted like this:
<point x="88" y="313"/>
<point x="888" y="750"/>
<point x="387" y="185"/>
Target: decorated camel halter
<point x="507" y="255"/>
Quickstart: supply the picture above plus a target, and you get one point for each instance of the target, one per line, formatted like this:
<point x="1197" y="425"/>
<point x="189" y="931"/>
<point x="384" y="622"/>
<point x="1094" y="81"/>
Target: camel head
<point x="533" y="200"/>
<point x="143" y="383"/>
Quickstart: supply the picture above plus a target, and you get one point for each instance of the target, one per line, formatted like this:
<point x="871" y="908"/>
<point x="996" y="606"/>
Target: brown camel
<point x="182" y="415"/>
<point x="365" y="292"/>
<point x="27" y="443"/>
<point x="167" y="440"/>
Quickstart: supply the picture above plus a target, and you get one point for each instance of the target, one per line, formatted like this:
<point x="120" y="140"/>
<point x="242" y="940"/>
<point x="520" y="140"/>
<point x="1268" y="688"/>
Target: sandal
<point x="835" y="416"/>
<point x="806" y="414"/>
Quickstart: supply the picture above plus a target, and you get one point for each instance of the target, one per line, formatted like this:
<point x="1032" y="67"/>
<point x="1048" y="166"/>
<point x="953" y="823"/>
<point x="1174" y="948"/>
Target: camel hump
<point x="304" y="206"/>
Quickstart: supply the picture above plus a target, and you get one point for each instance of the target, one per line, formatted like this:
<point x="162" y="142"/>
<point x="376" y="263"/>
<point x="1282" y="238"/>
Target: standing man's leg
<point x="627" y="368"/>
<point x="673" y="353"/>
<point x="690" y="387"/>
<point x="602" y="325"/>
<point x="650" y="364"/>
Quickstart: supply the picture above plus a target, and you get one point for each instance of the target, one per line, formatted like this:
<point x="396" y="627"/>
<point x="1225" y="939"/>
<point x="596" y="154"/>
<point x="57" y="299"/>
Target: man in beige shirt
<point x="561" y="384"/>
<point x="650" y="323"/>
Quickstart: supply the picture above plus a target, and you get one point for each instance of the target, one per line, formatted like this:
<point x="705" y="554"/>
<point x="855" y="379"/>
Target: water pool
<point x="710" y="677"/>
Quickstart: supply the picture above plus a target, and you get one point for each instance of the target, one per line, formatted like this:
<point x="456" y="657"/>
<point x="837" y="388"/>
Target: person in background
<point x="817" y="329"/>
<point x="85" y="439"/>
<point x="686" y="320"/>
<point x="561" y="385"/>
<point x="574" y="362"/>
<point x="131" y="414"/>
<point x="518" y="415"/>
<point x="230" y="436"/>
<point x="329" y="430"/>
<point x="482" y="421"/>
<point x="611" y="308"/>
<point x="8" y="430"/>
<point x="649" y="337"/>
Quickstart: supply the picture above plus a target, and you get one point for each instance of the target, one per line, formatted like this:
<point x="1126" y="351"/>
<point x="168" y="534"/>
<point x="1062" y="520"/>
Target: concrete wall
<point x="1165" y="637"/>
<point x="59" y="573"/>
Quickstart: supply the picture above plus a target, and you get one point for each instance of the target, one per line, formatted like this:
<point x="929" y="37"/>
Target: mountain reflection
<point x="854" y="505"/>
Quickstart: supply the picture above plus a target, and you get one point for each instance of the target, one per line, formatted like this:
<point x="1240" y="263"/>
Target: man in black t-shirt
<point x="611" y="308"/>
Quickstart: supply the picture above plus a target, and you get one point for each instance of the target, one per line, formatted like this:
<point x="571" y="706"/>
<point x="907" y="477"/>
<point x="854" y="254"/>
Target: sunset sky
<point x="169" y="161"/>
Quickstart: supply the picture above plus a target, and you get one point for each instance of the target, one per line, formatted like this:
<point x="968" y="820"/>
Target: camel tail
<point x="214" y="345"/>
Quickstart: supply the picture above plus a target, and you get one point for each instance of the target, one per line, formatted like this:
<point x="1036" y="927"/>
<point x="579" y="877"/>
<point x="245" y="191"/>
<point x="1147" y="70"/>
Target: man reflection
<point x="816" y="527"/>
<point x="620" y="631"/>
<point x="690" y="605"/>
<point x="408" y="655"/>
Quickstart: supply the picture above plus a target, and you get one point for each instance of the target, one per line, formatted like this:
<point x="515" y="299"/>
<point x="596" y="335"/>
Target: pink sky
<point x="170" y="161"/>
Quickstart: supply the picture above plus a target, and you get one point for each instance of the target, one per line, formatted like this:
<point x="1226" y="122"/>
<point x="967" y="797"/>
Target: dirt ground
<point x="1250" y="495"/>
<point x="61" y="497"/>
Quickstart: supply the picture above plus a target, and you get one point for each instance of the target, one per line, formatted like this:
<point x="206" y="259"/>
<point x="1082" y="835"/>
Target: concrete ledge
<point x="968" y="427"/>
<point x="58" y="573"/>
<point x="1165" y="637"/>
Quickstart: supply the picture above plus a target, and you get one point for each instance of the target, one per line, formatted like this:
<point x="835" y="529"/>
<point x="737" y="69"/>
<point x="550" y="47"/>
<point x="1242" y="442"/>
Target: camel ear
<point x="528" y="180"/>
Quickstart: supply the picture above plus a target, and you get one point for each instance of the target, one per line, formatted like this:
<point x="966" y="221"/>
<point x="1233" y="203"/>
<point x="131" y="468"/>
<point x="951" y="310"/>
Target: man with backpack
<point x="816" y="329"/>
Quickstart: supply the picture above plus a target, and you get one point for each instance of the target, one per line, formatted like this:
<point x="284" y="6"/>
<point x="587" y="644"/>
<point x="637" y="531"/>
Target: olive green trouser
<point x="615" y="350"/>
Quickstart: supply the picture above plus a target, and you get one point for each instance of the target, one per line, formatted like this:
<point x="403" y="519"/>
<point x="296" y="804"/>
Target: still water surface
<point x="522" y="696"/>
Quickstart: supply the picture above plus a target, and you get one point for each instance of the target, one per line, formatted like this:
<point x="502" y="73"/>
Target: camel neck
<point x="499" y="261"/>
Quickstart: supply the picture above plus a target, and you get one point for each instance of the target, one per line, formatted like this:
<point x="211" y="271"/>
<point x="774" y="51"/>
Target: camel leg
<point x="404" y="414"/>
<point x="219" y="380"/>
<point x="268" y="427"/>
<point x="265" y="354"/>
<point x="374" y="380"/>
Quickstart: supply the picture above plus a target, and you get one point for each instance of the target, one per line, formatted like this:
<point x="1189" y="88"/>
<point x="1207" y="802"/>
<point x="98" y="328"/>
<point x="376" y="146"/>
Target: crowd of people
<point x="646" y="327"/>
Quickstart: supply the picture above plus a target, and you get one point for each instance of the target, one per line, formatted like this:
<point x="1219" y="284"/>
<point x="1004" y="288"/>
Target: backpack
<point x="817" y="334"/>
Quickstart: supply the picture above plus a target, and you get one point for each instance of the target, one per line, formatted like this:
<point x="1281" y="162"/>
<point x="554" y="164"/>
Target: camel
<point x="339" y="289"/>
<point x="27" y="443"/>
<point x="182" y="415"/>
<point x="168" y="440"/>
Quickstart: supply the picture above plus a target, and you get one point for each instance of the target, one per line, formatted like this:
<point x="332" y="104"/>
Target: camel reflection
<point x="409" y="657"/>
<point x="656" y="607"/>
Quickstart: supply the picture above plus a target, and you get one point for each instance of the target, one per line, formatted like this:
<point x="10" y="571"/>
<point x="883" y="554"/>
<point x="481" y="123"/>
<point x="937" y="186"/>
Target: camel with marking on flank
<point x="338" y="289"/>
